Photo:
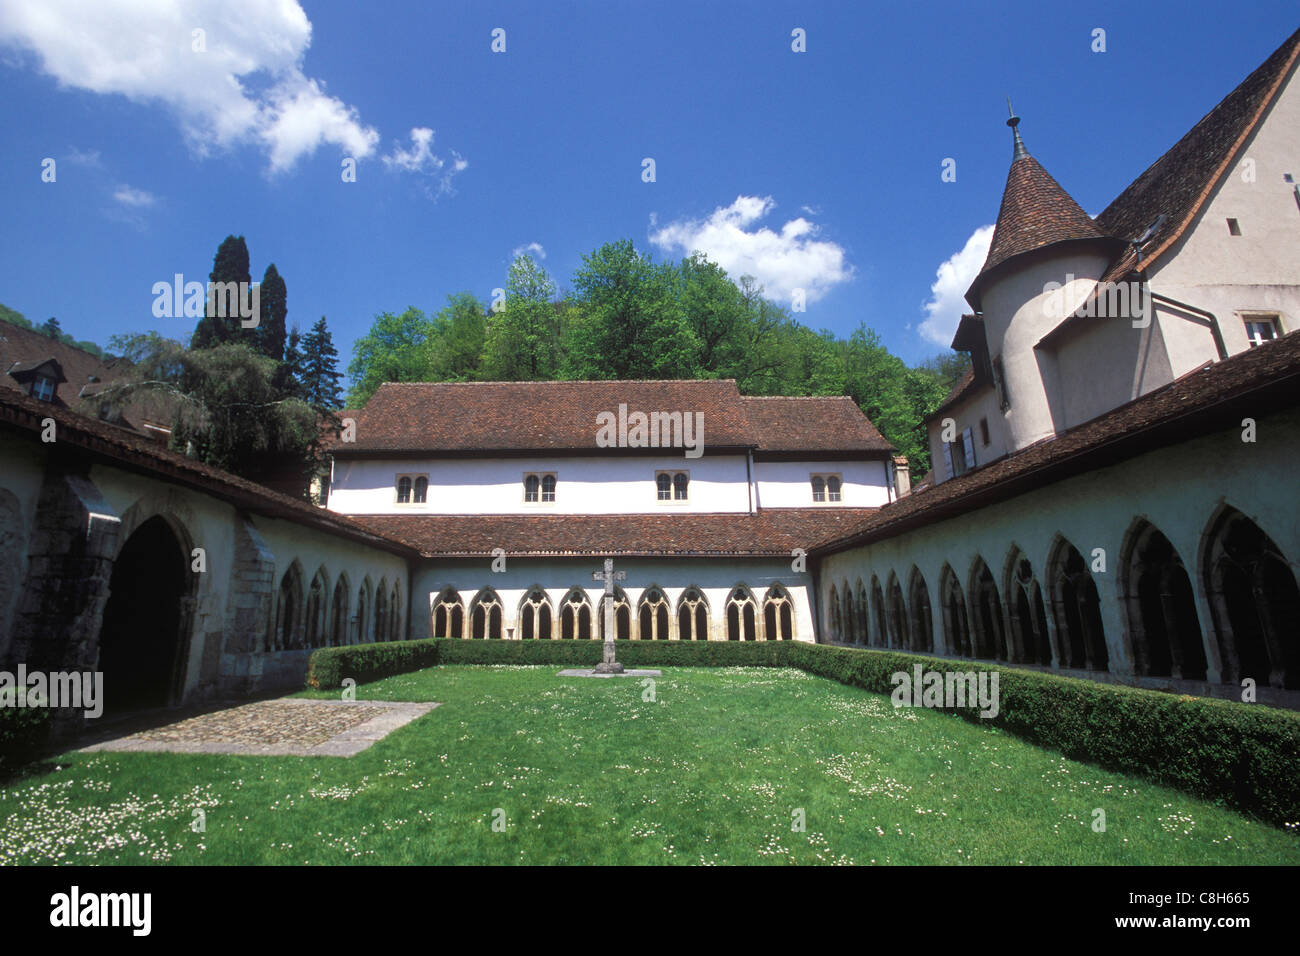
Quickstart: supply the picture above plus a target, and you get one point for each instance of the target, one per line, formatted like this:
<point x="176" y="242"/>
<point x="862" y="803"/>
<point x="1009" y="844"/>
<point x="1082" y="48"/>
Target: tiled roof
<point x="817" y="423"/>
<point x="960" y="392"/>
<point x="25" y="349"/>
<point x="1178" y="184"/>
<point x="519" y="417"/>
<point x="133" y="452"/>
<point x="765" y="534"/>
<point x="1213" y="397"/>
<point x="1036" y="213"/>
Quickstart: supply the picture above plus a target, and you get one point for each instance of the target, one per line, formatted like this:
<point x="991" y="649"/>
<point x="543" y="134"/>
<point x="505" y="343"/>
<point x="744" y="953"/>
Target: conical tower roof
<point x="1036" y="212"/>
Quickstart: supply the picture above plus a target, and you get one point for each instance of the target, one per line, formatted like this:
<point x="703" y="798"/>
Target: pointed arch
<point x="833" y="612"/>
<point x="956" y="621"/>
<point x="1029" y="641"/>
<point x="1076" y="609"/>
<point x="622" y="616"/>
<point x="486" y="615"/>
<point x="896" y="613"/>
<point x="778" y="614"/>
<point x="862" y="623"/>
<point x="989" y="635"/>
<point x="1164" y="628"/>
<point x="315" y="618"/>
<point x="652" y="615"/>
<point x="339" y="609"/>
<point x="288" y="610"/>
<point x="848" y="614"/>
<point x="448" y="614"/>
<point x="365" y="610"/>
<point x="381" y="610"/>
<point x="879" y="621"/>
<point x="922" y="620"/>
<point x="575" y="616"/>
<point x="742" y="614"/>
<point x="395" y="608"/>
<point x="692" y="615"/>
<point x="535" y="615"/>
<point x="1254" y="601"/>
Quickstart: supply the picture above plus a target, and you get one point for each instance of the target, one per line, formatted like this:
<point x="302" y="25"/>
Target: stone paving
<point x="290" y="726"/>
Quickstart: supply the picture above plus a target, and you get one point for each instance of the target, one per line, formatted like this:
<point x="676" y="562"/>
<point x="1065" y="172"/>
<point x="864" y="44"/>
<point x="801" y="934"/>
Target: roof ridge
<point x="580" y="381"/>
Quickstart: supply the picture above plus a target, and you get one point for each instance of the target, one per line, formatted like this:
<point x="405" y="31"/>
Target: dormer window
<point x="1261" y="329"/>
<point x="43" y="388"/>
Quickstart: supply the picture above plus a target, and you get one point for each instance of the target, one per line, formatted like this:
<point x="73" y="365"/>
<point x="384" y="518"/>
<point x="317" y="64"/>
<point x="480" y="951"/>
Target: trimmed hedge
<point x="23" y="735"/>
<point x="1245" y="755"/>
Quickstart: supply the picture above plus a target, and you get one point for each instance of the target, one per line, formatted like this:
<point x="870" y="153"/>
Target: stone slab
<point x="383" y="718"/>
<point x="590" y="673"/>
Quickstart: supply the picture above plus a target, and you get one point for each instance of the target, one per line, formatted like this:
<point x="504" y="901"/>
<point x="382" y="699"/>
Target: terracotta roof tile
<point x="1178" y="184"/>
<point x="773" y="533"/>
<point x="816" y="423"/>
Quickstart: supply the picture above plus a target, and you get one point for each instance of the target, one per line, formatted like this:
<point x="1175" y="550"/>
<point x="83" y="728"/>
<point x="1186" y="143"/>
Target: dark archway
<point x="1163" y="622"/>
<point x="141" y="647"/>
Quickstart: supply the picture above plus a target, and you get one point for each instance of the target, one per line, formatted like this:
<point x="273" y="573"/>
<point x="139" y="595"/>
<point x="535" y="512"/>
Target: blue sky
<point x="817" y="170"/>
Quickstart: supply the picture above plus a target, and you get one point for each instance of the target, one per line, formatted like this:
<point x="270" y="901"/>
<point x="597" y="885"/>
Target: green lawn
<point x="586" y="771"/>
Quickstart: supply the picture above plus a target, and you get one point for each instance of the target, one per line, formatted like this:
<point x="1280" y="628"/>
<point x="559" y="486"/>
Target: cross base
<point x="608" y="667"/>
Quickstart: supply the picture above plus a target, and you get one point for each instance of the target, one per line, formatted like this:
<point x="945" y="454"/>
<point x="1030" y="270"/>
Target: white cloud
<point x="947" y="301"/>
<point x="420" y="158"/>
<point x="134" y="198"/>
<point x="89" y="158"/>
<point x="781" y="261"/>
<point x="146" y="52"/>
<point x="533" y="249"/>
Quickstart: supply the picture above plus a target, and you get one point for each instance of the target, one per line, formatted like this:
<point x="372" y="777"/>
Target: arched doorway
<point x="141" y="645"/>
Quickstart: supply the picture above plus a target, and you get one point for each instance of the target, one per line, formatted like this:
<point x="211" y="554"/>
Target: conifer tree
<point x="320" y="369"/>
<point x="229" y="265"/>
<point x="274" y="308"/>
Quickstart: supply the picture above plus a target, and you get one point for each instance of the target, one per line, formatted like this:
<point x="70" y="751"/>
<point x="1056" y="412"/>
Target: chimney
<point x="902" y="476"/>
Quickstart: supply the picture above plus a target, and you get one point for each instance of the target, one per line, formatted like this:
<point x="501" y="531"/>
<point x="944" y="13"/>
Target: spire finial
<point x="1014" y="123"/>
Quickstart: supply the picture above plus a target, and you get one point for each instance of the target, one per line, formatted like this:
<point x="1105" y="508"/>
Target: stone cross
<point x="608" y="665"/>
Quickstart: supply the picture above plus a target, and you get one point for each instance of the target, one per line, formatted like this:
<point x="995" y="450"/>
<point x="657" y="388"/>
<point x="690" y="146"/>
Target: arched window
<point x="881" y="626"/>
<point x="381" y="611"/>
<point x="315" y="620"/>
<point x="575" y="616"/>
<point x="1076" y="606"/>
<point x="395" y="631"/>
<point x="956" y="622"/>
<point x="1028" y="619"/>
<point x="833" y="607"/>
<point x="680" y="481"/>
<point x="535" y="616"/>
<point x="485" y="616"/>
<point x="922" y="623"/>
<point x="899" y="632"/>
<point x="622" y="616"/>
<point x="990" y="638"/>
<point x="652" y="614"/>
<point x="1255" y="603"/>
<point x="548" y="487"/>
<point x="288" y="610"/>
<point x="531" y="485"/>
<point x="833" y="488"/>
<point x="403" y="490"/>
<point x="448" y="615"/>
<point x="741" y="614"/>
<point x="778" y="615"/>
<point x="421" y="489"/>
<point x="818" y="488"/>
<point x="363" y="612"/>
<point x="692" y="616"/>
<point x="1163" y="622"/>
<point x="664" y="486"/>
<point x="339" y="612"/>
<point x="848" y="614"/>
